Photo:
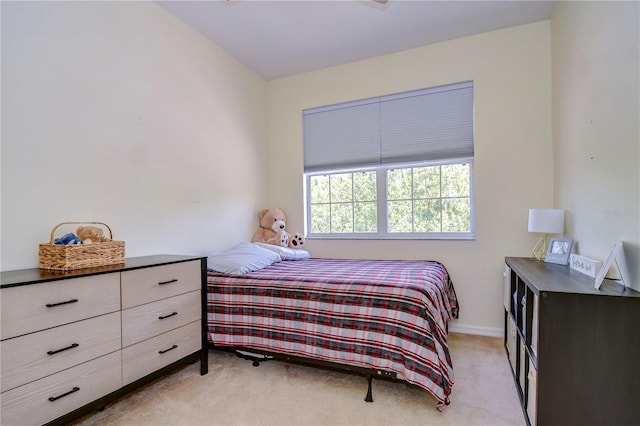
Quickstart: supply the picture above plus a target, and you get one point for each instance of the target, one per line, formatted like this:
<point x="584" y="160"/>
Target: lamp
<point x="545" y="221"/>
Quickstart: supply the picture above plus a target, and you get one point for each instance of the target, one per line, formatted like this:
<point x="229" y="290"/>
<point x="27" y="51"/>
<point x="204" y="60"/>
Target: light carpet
<point x="277" y="393"/>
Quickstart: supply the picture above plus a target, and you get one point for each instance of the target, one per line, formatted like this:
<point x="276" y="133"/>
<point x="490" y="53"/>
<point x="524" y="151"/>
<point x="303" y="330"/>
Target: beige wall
<point x="118" y="112"/>
<point x="511" y="71"/>
<point x="596" y="126"/>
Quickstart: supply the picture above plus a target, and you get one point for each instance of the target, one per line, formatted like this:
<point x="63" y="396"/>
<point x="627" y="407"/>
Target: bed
<point x="383" y="318"/>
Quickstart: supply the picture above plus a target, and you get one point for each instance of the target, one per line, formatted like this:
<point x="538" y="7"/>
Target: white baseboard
<point x="473" y="329"/>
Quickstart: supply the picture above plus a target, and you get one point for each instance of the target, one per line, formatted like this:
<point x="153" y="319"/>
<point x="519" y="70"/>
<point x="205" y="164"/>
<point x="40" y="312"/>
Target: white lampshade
<point x="547" y="221"/>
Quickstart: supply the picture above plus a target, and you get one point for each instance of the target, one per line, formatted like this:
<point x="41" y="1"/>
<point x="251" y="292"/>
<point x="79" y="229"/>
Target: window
<point x="344" y="203"/>
<point x="398" y="166"/>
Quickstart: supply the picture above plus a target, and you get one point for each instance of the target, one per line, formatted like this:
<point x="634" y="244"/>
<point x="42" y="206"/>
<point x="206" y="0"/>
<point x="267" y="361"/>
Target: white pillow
<point x="286" y="253"/>
<point x="242" y="258"/>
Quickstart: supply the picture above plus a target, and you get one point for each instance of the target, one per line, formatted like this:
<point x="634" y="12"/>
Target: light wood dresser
<point x="73" y="341"/>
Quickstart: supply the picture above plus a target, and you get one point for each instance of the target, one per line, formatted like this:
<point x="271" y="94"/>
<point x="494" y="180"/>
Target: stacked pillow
<point x="248" y="257"/>
<point x="285" y="253"/>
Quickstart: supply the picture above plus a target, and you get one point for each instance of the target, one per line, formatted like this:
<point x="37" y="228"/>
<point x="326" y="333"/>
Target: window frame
<point x="382" y="203"/>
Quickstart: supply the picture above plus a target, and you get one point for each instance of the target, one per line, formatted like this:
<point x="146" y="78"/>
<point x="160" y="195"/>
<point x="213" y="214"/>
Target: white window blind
<point x="422" y="125"/>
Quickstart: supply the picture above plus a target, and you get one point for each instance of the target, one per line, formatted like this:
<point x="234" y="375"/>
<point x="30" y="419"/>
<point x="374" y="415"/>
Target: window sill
<point x="464" y="237"/>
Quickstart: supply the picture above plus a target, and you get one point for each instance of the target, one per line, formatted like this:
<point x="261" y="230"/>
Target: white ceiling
<point x="282" y="38"/>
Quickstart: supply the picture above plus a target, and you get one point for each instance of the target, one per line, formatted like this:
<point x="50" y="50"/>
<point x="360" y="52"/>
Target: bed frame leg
<point x="369" y="397"/>
<point x="255" y="360"/>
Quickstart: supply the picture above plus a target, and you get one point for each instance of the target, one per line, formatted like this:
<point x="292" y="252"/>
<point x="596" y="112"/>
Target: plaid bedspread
<point x="388" y="315"/>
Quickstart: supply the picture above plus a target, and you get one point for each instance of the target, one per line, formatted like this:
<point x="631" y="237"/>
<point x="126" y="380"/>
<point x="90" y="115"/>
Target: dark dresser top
<point x="551" y="277"/>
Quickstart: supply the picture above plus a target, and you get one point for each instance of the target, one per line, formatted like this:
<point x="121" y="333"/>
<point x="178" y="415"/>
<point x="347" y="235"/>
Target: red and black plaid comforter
<point x="388" y="315"/>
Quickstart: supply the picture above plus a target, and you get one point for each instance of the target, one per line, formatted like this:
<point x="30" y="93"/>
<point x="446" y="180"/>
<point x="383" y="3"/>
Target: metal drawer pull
<point x="75" y="345"/>
<point x="53" y="398"/>
<point x="168" y="282"/>
<point x="167" y="350"/>
<point x="167" y="316"/>
<point x="51" y="305"/>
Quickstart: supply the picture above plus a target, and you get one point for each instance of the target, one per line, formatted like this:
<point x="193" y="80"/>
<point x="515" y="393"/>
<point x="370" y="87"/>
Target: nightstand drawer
<point x="49" y="398"/>
<point x="145" y="357"/>
<point x="26" y="309"/>
<point x="512" y="343"/>
<point x="532" y="393"/>
<point x="149" y="320"/>
<point x="150" y="284"/>
<point x="30" y="357"/>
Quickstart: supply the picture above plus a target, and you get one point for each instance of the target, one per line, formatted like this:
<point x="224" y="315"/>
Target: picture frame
<point x="559" y="251"/>
<point x="614" y="257"/>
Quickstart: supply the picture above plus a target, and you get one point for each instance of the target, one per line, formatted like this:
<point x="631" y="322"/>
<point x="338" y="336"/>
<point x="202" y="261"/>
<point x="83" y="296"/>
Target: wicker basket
<point x="60" y="257"/>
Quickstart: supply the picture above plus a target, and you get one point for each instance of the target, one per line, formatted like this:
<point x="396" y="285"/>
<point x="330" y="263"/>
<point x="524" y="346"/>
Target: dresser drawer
<point x="145" y="357"/>
<point x="149" y="320"/>
<point x="26" y="309"/>
<point x="36" y="355"/>
<point x="150" y="284"/>
<point x="31" y="404"/>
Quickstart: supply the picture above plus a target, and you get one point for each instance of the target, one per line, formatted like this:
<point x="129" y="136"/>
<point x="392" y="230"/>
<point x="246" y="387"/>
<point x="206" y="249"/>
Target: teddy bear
<point x="90" y="234"/>
<point x="272" y="230"/>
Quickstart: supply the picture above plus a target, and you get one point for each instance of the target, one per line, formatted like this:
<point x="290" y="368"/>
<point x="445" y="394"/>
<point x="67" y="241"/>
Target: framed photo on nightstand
<point x="559" y="251"/>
